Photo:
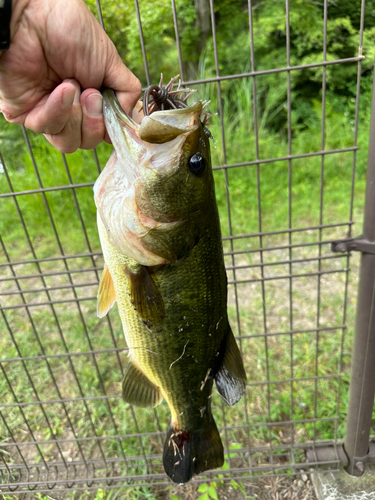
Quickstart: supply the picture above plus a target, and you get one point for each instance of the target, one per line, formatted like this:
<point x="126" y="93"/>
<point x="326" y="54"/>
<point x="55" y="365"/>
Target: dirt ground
<point x="276" y="488"/>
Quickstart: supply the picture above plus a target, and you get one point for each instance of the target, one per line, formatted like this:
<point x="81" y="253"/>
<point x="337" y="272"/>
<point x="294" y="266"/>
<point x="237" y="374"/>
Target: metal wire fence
<point x="63" y="423"/>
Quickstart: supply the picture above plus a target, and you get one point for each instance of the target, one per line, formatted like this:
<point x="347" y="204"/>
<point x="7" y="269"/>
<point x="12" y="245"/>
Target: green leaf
<point x="203" y="487"/>
<point x="225" y="465"/>
<point x="212" y="493"/>
<point x="204" y="497"/>
<point x="234" y="484"/>
<point x="173" y="497"/>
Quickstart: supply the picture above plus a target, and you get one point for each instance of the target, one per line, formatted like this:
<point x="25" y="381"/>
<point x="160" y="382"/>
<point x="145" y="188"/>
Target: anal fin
<point x="146" y="297"/>
<point x="231" y="376"/>
<point x="106" y="293"/>
<point x="137" y="389"/>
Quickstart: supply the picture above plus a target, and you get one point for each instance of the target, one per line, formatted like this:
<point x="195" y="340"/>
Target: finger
<point x="126" y="85"/>
<point x="53" y="111"/>
<point x="93" y="128"/>
<point x="69" y="139"/>
<point x="119" y="78"/>
<point x="128" y="99"/>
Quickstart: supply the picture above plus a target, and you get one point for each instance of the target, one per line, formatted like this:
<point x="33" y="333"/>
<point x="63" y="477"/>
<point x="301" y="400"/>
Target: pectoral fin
<point x="231" y="376"/>
<point x="106" y="293"/>
<point x="146" y="297"/>
<point x="137" y="389"/>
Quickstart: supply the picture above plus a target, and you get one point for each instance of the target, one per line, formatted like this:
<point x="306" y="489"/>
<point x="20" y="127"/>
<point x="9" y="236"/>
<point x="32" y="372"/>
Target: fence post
<point x="362" y="380"/>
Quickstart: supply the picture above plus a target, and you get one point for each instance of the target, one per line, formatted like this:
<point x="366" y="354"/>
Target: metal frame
<point x="255" y="460"/>
<point x="362" y="383"/>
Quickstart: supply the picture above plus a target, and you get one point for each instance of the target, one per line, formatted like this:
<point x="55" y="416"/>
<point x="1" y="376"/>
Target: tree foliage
<point x="306" y="38"/>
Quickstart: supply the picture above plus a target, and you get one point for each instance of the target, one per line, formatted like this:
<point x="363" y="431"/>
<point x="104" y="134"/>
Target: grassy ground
<point x="274" y="306"/>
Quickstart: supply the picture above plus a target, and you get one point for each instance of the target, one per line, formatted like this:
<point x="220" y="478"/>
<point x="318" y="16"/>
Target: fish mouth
<point x="157" y="128"/>
<point x="146" y="141"/>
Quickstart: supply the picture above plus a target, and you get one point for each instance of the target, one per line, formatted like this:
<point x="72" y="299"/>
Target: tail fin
<point x="190" y="452"/>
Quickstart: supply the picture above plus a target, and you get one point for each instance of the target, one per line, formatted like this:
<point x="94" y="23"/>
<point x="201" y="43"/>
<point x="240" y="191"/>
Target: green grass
<point x="305" y="355"/>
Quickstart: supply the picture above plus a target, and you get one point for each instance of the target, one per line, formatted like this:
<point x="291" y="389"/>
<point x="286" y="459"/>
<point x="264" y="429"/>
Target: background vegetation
<point x="288" y="194"/>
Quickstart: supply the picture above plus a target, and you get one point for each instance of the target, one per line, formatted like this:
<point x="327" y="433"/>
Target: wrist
<point x="5" y="15"/>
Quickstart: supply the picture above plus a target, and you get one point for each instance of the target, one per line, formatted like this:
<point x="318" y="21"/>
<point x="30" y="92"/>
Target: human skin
<point x="59" y="57"/>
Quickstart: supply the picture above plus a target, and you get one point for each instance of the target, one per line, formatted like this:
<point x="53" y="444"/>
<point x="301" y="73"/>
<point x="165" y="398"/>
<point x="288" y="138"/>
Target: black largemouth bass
<point x="160" y="234"/>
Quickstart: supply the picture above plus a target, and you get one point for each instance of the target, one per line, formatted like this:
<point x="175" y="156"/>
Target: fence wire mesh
<point x="63" y="423"/>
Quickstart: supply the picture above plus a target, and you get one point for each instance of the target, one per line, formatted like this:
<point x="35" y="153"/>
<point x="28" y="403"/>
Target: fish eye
<point x="197" y="164"/>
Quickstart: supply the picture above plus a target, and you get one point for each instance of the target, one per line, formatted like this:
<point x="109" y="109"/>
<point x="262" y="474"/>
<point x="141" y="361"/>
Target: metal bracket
<point x="331" y="453"/>
<point x="359" y="244"/>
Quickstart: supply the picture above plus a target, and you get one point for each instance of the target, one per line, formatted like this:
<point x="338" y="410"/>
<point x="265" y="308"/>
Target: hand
<point x="58" y="48"/>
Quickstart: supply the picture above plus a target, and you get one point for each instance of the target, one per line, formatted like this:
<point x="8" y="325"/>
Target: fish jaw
<point x="133" y="160"/>
<point x="164" y="126"/>
<point x="144" y="145"/>
<point x="123" y="131"/>
<point x="135" y="143"/>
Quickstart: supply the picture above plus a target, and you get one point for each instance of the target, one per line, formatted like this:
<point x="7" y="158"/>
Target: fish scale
<point x="194" y="289"/>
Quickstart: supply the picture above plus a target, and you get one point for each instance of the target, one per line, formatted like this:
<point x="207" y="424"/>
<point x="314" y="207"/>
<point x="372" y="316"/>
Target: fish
<point x="160" y="234"/>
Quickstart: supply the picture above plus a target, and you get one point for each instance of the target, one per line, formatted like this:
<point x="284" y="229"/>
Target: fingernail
<point x="94" y="105"/>
<point x="68" y="97"/>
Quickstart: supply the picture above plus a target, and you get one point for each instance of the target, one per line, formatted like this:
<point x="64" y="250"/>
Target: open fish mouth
<point x="140" y="141"/>
<point x="162" y="115"/>
<point x="157" y="128"/>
